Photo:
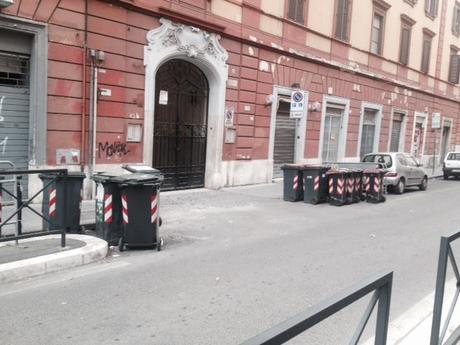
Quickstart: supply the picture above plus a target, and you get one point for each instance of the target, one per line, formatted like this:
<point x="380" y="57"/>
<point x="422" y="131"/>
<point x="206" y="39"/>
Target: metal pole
<point x="383" y="314"/>
<point x="439" y="292"/>
<point x="19" y="205"/>
<point x="434" y="149"/>
<point x="65" y="226"/>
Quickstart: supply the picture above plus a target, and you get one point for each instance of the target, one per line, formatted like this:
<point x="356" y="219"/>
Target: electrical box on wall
<point x="67" y="156"/>
<point x="134" y="133"/>
<point x="230" y="135"/>
<point x="6" y="3"/>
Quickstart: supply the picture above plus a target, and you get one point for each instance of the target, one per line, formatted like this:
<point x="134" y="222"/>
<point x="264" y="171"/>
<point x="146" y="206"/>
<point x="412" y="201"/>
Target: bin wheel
<point x="160" y="244"/>
<point x="121" y="245"/>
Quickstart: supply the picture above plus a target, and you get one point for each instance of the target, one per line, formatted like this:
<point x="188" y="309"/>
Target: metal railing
<point x="381" y="286"/>
<point x="21" y="204"/>
<point x="445" y="255"/>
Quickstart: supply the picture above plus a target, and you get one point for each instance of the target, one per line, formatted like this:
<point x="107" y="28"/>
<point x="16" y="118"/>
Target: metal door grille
<point x="14" y="70"/>
<point x="181" y="125"/>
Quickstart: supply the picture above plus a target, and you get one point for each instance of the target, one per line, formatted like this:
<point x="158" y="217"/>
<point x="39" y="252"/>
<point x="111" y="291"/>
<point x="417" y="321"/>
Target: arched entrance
<point x="180" y="125"/>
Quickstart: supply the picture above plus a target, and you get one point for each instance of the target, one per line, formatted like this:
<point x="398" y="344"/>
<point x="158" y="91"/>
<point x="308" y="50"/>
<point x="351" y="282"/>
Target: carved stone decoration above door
<point x="189" y="40"/>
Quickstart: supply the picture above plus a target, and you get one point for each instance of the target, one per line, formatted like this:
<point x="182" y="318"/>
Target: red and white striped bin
<point x="337" y="187"/>
<point x="292" y="182"/>
<point x="140" y="210"/>
<point x="374" y="185"/>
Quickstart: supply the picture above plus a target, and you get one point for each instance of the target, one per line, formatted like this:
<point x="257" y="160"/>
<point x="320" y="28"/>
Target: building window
<point x="431" y="7"/>
<point x="342" y="19"/>
<point x="377" y="34"/>
<point x="296" y="11"/>
<point x="426" y="50"/>
<point x="404" y="45"/>
<point x="396" y="132"/>
<point x="454" y="66"/>
<point x="411" y="2"/>
<point x="332" y="134"/>
<point x="456" y="19"/>
<point x="368" y="132"/>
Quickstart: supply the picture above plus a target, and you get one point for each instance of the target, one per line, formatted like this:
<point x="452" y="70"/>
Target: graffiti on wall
<point x="116" y="148"/>
<point x="3" y="144"/>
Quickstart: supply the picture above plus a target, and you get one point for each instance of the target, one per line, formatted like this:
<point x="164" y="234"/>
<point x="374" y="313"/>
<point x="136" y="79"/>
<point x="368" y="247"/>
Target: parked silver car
<point x="404" y="170"/>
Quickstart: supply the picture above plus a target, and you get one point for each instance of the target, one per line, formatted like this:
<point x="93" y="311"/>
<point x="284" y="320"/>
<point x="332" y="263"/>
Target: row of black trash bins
<point x="127" y="205"/>
<point x="319" y="183"/>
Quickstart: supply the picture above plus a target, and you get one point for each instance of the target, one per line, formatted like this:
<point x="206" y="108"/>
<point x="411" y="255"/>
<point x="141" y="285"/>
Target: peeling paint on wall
<point x="263" y="66"/>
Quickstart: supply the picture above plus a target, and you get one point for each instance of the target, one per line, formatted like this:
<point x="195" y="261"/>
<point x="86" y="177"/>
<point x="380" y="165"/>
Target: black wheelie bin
<point x="55" y="203"/>
<point x="108" y="209"/>
<point x="140" y="206"/>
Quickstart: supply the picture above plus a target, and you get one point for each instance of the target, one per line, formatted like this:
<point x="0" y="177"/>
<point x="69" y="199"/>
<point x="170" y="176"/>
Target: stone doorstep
<point x="94" y="250"/>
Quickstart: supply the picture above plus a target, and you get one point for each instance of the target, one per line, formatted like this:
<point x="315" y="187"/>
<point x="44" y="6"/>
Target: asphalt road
<point x="235" y="262"/>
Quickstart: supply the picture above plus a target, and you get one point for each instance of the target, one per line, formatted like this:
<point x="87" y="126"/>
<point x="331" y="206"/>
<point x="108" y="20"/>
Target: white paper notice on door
<point x="163" y="99"/>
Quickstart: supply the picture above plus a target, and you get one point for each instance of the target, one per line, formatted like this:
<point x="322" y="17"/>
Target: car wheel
<point x="424" y="184"/>
<point x="400" y="187"/>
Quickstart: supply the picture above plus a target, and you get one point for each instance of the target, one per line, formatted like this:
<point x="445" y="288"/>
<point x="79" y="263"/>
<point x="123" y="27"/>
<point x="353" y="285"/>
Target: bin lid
<point x="102" y="177"/>
<point x="70" y="174"/>
<point x="292" y="166"/>
<point x="316" y="167"/>
<point x="145" y="169"/>
<point x="135" y="179"/>
<point x="336" y="172"/>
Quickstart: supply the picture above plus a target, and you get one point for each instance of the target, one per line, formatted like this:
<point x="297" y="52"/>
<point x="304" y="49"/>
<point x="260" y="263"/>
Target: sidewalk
<point x="437" y="172"/>
<point x="40" y="255"/>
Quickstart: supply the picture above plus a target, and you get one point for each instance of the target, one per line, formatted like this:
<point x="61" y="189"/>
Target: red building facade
<point x="172" y="85"/>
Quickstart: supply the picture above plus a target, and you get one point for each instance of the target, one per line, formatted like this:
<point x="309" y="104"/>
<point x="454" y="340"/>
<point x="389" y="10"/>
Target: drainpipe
<point x="95" y="96"/>
<point x="83" y="155"/>
<point x="97" y="57"/>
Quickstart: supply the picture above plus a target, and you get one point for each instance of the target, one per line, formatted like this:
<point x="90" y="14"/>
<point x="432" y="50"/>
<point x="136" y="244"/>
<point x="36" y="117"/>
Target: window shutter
<point x="345" y="19"/>
<point x="300" y="11"/>
<point x="426" y="55"/>
<point x="291" y="11"/>
<point x="427" y="5"/>
<point x="454" y="69"/>
<point x="456" y="20"/>
<point x="404" y="49"/>
<point x="339" y="19"/>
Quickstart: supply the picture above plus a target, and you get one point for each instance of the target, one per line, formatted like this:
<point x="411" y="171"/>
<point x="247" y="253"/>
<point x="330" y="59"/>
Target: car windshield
<point x="382" y="159"/>
<point x="454" y="156"/>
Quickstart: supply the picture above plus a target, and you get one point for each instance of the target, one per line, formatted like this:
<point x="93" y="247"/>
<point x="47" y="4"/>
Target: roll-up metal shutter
<point x="14" y="111"/>
<point x="284" y="147"/>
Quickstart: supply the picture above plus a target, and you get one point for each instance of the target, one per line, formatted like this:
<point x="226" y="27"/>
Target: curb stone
<point x="94" y="250"/>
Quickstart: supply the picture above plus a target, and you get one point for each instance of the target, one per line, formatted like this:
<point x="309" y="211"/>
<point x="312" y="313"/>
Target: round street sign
<point x="297" y="96"/>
